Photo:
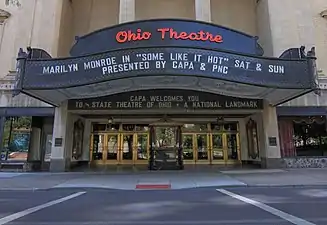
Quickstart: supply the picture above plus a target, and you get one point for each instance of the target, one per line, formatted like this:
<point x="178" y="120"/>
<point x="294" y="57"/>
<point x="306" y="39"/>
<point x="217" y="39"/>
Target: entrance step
<point x="153" y="186"/>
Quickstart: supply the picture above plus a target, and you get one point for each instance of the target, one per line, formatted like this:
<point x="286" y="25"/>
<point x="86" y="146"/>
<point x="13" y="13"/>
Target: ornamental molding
<point x="13" y="3"/>
<point x="7" y="83"/>
<point x="4" y="15"/>
<point x="322" y="82"/>
<point x="323" y="14"/>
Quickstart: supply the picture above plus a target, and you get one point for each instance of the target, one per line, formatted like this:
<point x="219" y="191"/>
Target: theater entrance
<point x="211" y="143"/>
<point x="166" y="150"/>
<point x="119" y="144"/>
<point x="158" y="146"/>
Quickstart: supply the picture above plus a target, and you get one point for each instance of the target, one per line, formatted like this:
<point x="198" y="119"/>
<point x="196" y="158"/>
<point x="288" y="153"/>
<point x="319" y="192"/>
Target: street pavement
<point x="195" y="206"/>
<point x="243" y="197"/>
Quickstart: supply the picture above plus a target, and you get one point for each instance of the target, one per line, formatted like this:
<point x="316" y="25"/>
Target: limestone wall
<point x="237" y="14"/>
<point x="53" y="25"/>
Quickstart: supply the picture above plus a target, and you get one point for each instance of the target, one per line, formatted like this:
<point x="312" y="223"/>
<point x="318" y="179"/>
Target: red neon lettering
<point x="127" y="36"/>
<point x="139" y="35"/>
<point x="163" y="32"/>
<point x="193" y="36"/>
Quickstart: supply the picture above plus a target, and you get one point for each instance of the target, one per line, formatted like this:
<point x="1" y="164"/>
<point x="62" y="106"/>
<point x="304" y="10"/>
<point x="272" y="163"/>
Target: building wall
<point x="151" y="9"/>
<point x="80" y="17"/>
<point x="53" y="24"/>
<point x="32" y="24"/>
<point x="295" y="24"/>
<point x="320" y="34"/>
<point x="237" y="14"/>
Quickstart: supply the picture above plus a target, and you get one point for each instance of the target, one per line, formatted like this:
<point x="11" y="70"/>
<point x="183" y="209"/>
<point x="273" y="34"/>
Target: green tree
<point x="12" y="125"/>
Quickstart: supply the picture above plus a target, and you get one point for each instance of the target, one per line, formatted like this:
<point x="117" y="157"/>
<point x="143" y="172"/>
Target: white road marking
<point x="288" y="217"/>
<point x="23" y="213"/>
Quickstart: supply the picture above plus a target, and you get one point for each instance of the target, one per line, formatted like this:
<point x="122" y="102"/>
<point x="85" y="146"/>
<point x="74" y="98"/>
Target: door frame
<point x="111" y="161"/>
<point x="137" y="161"/>
<point x="120" y="155"/>
<point x="209" y="138"/>
<point x="197" y="161"/>
<point x="190" y="161"/>
<point x="104" y="160"/>
<point x="120" y="142"/>
<point x="225" y="160"/>
<point x="238" y="149"/>
<point x="223" y="149"/>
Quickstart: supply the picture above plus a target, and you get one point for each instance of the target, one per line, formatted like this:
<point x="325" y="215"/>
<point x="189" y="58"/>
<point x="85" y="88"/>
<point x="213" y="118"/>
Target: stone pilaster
<point x="126" y="11"/>
<point x="203" y="10"/>
<point x="271" y="155"/>
<point x="58" y="159"/>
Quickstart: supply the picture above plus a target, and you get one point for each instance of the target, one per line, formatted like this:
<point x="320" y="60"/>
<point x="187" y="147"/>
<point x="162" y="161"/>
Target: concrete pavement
<point x="290" y="177"/>
<point x="117" y="181"/>
<point x="164" y="179"/>
<point x="199" y="206"/>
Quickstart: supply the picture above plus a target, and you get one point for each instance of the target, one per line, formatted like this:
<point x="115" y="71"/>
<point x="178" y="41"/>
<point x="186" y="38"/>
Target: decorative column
<point x="34" y="150"/>
<point x="270" y="157"/>
<point x="203" y="10"/>
<point x="126" y="11"/>
<point x="151" y="163"/>
<point x="2" y="127"/>
<point x="58" y="159"/>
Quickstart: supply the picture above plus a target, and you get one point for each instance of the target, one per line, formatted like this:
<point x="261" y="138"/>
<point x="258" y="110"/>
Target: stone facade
<point x="52" y="25"/>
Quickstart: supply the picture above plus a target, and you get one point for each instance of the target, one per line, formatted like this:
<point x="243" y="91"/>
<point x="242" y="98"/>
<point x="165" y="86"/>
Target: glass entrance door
<point x="202" y="149"/>
<point x="225" y="148"/>
<point x="141" y="151"/>
<point x="233" y="153"/>
<point x="119" y="148"/>
<point x="188" y="148"/>
<point x="126" y="151"/>
<point x="105" y="148"/>
<point x="97" y="148"/>
<point x="112" y="148"/>
<point x="218" y="148"/>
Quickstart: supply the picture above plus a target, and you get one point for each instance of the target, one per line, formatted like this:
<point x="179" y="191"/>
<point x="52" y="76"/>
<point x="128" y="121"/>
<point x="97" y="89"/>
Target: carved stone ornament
<point x="78" y="135"/>
<point x="323" y="14"/>
<point x="13" y="3"/>
<point x="252" y="138"/>
<point x="4" y="15"/>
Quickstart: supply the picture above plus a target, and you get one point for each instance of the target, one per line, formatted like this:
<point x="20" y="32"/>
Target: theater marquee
<point x="164" y="99"/>
<point x="166" y="33"/>
<point x="164" y="61"/>
<point x="166" y="54"/>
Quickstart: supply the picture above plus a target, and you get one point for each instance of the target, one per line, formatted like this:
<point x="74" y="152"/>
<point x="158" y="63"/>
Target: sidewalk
<point x="290" y="177"/>
<point x="164" y="179"/>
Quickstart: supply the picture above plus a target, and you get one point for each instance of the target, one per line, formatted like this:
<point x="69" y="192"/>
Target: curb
<point x="170" y="187"/>
<point x="286" y="185"/>
<point x="21" y="189"/>
<point x="153" y="187"/>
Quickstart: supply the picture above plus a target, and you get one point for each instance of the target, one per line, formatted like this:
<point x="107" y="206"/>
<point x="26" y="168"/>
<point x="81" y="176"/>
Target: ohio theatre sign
<point x="165" y="48"/>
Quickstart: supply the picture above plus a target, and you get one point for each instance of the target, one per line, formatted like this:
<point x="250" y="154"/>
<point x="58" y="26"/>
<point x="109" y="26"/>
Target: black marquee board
<point x="166" y="100"/>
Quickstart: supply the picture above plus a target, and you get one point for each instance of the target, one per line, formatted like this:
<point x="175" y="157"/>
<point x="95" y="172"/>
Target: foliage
<point x="166" y="136"/>
<point x="12" y="127"/>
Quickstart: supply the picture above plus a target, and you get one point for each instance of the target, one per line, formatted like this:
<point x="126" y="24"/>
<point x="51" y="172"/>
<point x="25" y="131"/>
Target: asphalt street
<point x="199" y="206"/>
